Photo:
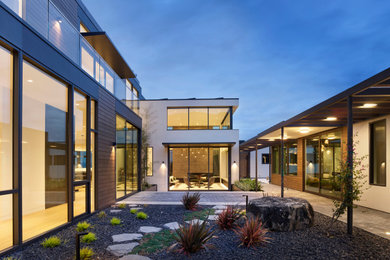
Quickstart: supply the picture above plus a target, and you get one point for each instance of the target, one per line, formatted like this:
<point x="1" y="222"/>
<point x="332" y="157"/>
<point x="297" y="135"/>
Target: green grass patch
<point x="81" y="226"/>
<point x="154" y="242"/>
<point x="142" y="215"/>
<point x="122" y="206"/>
<point x="133" y="211"/>
<point x="86" y="253"/>
<point x="115" y="221"/>
<point x="89" y="238"/>
<point x="102" y="214"/>
<point x="51" y="242"/>
<point x="201" y="214"/>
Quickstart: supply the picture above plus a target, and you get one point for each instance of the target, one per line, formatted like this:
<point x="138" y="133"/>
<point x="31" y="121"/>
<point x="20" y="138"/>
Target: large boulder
<point x="283" y="214"/>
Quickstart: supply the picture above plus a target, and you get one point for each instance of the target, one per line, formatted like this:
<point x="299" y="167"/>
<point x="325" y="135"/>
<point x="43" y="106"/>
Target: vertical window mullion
<point x="88" y="162"/>
<point x="70" y="157"/>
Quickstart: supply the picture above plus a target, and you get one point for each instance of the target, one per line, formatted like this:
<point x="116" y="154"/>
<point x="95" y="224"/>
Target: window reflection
<point x="177" y="118"/>
<point x="198" y="118"/>
<point x="80" y="137"/>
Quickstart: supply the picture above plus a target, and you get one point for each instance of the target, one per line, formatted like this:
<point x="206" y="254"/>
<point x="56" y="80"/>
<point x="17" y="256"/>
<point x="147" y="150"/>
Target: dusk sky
<point x="278" y="57"/>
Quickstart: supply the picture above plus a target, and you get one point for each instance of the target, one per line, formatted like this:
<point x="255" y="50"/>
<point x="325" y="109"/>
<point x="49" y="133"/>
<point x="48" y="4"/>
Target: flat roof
<point x="371" y="99"/>
<point x="104" y="46"/>
<point x="198" y="144"/>
<point x="178" y="99"/>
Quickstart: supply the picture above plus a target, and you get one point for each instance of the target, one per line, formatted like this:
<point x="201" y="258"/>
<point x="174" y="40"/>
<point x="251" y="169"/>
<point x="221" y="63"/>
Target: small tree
<point x="348" y="196"/>
<point x="145" y="139"/>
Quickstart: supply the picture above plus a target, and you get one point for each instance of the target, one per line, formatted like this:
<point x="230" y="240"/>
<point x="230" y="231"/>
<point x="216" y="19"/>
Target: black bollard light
<point x="78" y="235"/>
<point x="246" y="203"/>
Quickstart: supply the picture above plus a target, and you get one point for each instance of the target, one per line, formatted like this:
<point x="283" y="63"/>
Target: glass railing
<point x="46" y="18"/>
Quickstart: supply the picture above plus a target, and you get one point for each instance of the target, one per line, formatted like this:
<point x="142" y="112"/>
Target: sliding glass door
<point x="198" y="168"/>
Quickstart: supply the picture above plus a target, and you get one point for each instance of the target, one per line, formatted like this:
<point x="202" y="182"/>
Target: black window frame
<point x="371" y="152"/>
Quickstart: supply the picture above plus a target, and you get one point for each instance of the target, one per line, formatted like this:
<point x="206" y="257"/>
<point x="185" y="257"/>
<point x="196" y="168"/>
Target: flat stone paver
<point x="121" y="249"/>
<point x="213" y="217"/>
<point x="172" y="225"/>
<point x="115" y="211"/>
<point x="149" y="229"/>
<point x="136" y="209"/>
<point x="134" y="257"/>
<point x="218" y="211"/>
<point x="195" y="221"/>
<point x="126" y="237"/>
<point x="219" y="207"/>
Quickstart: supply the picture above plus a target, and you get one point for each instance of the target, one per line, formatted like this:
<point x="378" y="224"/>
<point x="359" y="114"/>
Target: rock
<point x="172" y="225"/>
<point x="121" y="249"/>
<point x="195" y="221"/>
<point x="218" y="211"/>
<point x="134" y="257"/>
<point x="283" y="214"/>
<point x="220" y="207"/>
<point x="115" y="211"/>
<point x="213" y="217"/>
<point x="132" y="205"/>
<point x="136" y="209"/>
<point x="126" y="237"/>
<point x="149" y="229"/>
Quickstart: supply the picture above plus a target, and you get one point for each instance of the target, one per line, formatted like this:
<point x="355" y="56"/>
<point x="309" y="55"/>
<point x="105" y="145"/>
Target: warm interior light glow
<point x="369" y="105"/>
<point x="304" y="130"/>
<point x="30" y="81"/>
<point x="331" y="118"/>
<point x="388" y="233"/>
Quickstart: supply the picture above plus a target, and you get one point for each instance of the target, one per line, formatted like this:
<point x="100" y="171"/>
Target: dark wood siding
<point x="244" y="164"/>
<point x="105" y="165"/>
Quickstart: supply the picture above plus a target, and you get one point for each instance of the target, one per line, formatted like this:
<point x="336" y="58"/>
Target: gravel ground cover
<point x="313" y="243"/>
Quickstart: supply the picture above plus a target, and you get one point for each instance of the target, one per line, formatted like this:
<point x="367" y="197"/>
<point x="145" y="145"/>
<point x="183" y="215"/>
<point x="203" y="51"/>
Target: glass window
<point x="178" y="169"/>
<point x="93" y="115"/>
<point x="198" y="118"/>
<point x="79" y="203"/>
<point x="177" y="118"/>
<point x="15" y="5"/>
<point x="109" y="82"/>
<point x="120" y="156"/>
<point x="87" y="61"/>
<point x="312" y="173"/>
<point x="378" y="153"/>
<point x="265" y="158"/>
<point x="219" y="118"/>
<point x="149" y="163"/>
<point x="5" y="119"/>
<point x="6" y="221"/>
<point x="92" y="171"/>
<point x="292" y="159"/>
<point x="83" y="29"/>
<point x="131" y="158"/>
<point x="275" y="160"/>
<point x="80" y="137"/>
<point x="44" y="152"/>
<point x="219" y="168"/>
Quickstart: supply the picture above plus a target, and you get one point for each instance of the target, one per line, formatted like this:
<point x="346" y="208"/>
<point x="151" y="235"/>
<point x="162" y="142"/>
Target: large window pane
<point x="178" y="169"/>
<point x="44" y="152"/>
<point x="130" y="150"/>
<point x="219" y="168"/>
<point x="135" y="157"/>
<point x="198" y="168"/>
<point x="312" y="176"/>
<point x="149" y="162"/>
<point x="198" y="118"/>
<point x="79" y="201"/>
<point x="80" y="137"/>
<point x="177" y="118"/>
<point x="92" y="171"/>
<point x="5" y="119"/>
<point x="275" y="160"/>
<point x="378" y="153"/>
<point x="5" y="221"/>
<point x="120" y="156"/>
<point x="219" y="118"/>
<point x="292" y="159"/>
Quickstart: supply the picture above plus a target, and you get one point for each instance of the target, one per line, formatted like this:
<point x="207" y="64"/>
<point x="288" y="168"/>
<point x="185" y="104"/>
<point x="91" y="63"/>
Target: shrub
<point x="89" y="238"/>
<point x="228" y="217"/>
<point x="102" y="214"/>
<point x="81" y="226"/>
<point x="193" y="237"/>
<point x="133" y="211"/>
<point x="86" y="253"/>
<point x="51" y="242"/>
<point x="122" y="206"/>
<point x="252" y="233"/>
<point x="247" y="184"/>
<point x="190" y="201"/>
<point x="142" y="215"/>
<point x="115" y="221"/>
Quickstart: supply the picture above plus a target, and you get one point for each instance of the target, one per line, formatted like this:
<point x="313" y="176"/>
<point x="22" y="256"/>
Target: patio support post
<point x="350" y="162"/>
<point x="282" y="163"/>
<point x="256" y="170"/>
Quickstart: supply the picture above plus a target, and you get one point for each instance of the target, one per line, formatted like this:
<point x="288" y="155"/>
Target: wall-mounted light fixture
<point x="163" y="162"/>
<point x="113" y="143"/>
<point x="59" y="20"/>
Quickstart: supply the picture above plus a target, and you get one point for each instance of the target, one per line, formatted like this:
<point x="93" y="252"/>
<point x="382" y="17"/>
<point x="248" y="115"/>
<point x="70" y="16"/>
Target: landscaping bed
<point x="312" y="243"/>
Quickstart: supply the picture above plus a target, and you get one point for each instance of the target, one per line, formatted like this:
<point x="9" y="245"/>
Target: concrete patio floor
<point x="373" y="221"/>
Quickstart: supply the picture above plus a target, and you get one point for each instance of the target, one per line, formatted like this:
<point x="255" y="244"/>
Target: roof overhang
<point x="202" y="144"/>
<point x="107" y="50"/>
<point x="370" y="99"/>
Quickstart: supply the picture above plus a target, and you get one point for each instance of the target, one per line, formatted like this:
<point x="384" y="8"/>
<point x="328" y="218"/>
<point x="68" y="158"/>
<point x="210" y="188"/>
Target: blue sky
<point x="279" y="57"/>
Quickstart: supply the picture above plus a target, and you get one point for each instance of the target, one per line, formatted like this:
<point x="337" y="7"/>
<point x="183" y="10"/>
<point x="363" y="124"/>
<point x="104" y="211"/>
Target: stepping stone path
<point x="195" y="221"/>
<point x="126" y="237"/>
<point x="213" y="217"/>
<point x="172" y="225"/>
<point x="149" y="229"/>
<point x="115" y="210"/>
<point x="220" y="207"/>
<point x="218" y="211"/>
<point x="121" y="249"/>
<point x="134" y="257"/>
<point x="132" y="205"/>
<point x="136" y="209"/>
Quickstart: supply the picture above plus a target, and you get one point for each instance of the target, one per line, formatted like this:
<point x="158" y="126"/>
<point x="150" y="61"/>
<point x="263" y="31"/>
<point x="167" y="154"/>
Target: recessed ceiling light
<point x="388" y="233"/>
<point x="30" y="80"/>
<point x="369" y="105"/>
<point x="304" y="130"/>
<point x="330" y="118"/>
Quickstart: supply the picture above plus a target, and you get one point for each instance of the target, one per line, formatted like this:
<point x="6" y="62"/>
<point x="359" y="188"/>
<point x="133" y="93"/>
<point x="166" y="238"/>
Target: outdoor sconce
<point x="113" y="143"/>
<point x="163" y="162"/>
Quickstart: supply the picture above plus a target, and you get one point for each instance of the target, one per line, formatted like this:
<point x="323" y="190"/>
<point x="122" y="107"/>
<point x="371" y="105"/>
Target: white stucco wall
<point x="154" y="121"/>
<point x="262" y="169"/>
<point x="376" y="197"/>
